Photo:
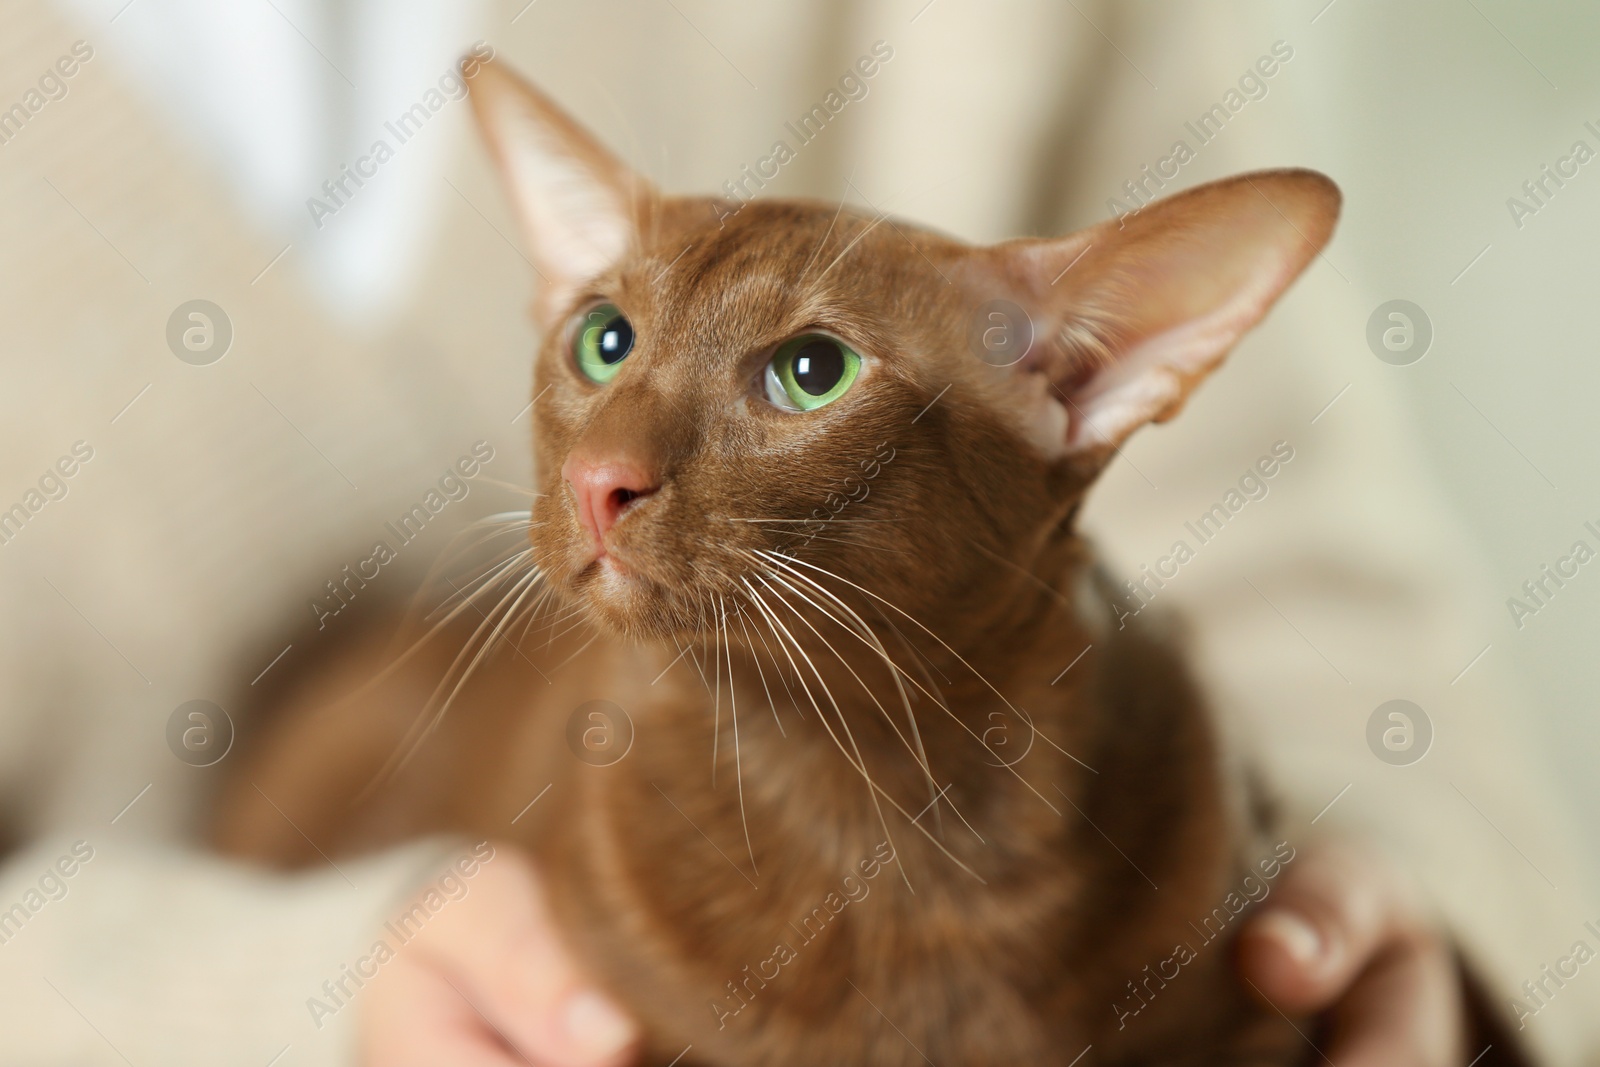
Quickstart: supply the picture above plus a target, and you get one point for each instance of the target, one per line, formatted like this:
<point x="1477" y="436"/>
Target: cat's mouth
<point x="638" y="595"/>
<point x="621" y="591"/>
<point x="609" y="567"/>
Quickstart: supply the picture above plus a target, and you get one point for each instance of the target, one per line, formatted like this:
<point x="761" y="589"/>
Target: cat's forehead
<point x="769" y="266"/>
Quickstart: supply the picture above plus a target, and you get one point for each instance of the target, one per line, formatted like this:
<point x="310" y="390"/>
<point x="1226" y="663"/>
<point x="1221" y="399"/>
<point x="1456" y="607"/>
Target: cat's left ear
<point x="1129" y="316"/>
<point x="579" y="207"/>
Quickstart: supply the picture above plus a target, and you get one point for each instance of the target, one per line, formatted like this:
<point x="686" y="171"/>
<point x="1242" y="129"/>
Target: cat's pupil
<point x="616" y="339"/>
<point x="818" y="366"/>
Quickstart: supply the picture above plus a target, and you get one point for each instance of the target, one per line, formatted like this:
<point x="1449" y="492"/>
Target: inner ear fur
<point x="579" y="209"/>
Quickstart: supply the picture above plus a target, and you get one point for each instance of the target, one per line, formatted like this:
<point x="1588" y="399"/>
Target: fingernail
<point x="596" y="1026"/>
<point x="1297" y="936"/>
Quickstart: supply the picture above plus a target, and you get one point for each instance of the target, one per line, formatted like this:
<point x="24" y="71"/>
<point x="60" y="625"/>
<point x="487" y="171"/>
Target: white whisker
<point x="733" y="711"/>
<point x="921" y="762"/>
<point x="945" y="708"/>
<point x="424" y="725"/>
<point x="875" y="790"/>
<point x="580" y="650"/>
<point x="761" y="672"/>
<point x="975" y="672"/>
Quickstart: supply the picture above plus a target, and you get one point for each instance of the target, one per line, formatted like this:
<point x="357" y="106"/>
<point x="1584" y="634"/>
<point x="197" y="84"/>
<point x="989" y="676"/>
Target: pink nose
<point x="604" y="491"/>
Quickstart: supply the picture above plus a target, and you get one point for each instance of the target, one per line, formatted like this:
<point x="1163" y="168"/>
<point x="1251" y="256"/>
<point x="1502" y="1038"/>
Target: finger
<point x="1405" y="1010"/>
<point x="418" y="1021"/>
<point x="1334" y="910"/>
<point x="503" y="955"/>
<point x="542" y="1008"/>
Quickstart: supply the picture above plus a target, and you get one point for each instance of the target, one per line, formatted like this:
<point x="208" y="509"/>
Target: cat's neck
<point x="812" y="698"/>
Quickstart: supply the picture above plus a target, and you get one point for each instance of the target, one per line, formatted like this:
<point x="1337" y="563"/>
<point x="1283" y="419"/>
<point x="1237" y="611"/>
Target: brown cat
<point x="815" y="543"/>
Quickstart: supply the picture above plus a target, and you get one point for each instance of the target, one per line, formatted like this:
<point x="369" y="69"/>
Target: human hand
<point x="488" y="983"/>
<point x="1345" y="934"/>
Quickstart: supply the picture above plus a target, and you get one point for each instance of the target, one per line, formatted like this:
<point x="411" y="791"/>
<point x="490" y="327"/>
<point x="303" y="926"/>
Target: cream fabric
<point x="150" y="955"/>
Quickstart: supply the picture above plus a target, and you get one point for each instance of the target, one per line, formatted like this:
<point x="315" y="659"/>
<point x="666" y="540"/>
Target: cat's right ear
<point x="579" y="207"/>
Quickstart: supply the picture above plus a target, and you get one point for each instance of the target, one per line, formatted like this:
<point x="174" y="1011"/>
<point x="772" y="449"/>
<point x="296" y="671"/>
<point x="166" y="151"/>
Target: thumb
<point x="1334" y="911"/>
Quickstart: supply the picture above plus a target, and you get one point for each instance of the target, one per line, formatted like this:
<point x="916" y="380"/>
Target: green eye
<point x="602" y="341"/>
<point x="809" y="371"/>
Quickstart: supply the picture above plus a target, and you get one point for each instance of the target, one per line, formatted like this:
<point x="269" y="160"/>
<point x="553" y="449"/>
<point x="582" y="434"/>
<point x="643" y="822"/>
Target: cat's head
<point x="720" y="382"/>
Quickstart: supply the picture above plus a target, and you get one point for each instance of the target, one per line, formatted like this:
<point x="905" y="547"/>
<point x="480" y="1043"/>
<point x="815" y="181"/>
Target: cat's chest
<point x="737" y="946"/>
<point x="762" y="884"/>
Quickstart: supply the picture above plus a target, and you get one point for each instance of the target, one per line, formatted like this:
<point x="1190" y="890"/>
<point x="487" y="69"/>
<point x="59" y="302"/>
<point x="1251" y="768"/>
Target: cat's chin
<point x="608" y="580"/>
<point x="628" y="602"/>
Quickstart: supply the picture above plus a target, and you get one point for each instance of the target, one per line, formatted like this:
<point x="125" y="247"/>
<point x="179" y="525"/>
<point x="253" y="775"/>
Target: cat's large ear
<point x="579" y="207"/>
<point x="1130" y="315"/>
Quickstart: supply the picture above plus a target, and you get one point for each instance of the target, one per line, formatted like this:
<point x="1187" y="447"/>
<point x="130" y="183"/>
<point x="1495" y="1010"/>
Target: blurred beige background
<point x="369" y="353"/>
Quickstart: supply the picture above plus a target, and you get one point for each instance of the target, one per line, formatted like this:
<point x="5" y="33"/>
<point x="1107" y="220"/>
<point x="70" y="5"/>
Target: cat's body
<point x="649" y="870"/>
<point x="868" y="816"/>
